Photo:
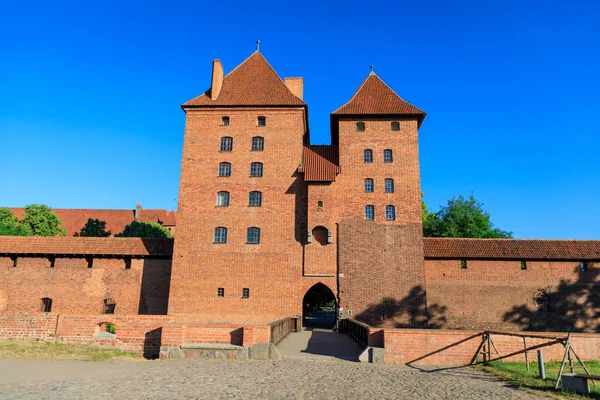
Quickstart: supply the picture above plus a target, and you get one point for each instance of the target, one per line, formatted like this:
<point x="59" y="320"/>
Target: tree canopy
<point x="39" y="220"/>
<point x="145" y="229"/>
<point x="93" y="228"/>
<point x="461" y="218"/>
<point x="9" y="225"/>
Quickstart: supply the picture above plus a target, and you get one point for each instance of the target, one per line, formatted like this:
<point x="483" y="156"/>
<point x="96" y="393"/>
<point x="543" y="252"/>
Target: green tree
<point x="145" y="229"/>
<point x="93" y="228"/>
<point x="9" y="225"/>
<point x="461" y="218"/>
<point x="39" y="220"/>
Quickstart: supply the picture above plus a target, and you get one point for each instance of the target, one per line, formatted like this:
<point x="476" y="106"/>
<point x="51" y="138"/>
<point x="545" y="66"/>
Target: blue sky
<point x="90" y="95"/>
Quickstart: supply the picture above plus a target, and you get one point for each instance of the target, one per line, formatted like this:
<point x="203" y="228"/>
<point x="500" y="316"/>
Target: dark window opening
<point x="395" y="126"/>
<point x="90" y="262"/>
<point x="253" y="235"/>
<point x="319" y="206"/>
<point x="225" y="121"/>
<point x="245" y="293"/>
<point x="52" y="261"/>
<point x="387" y="156"/>
<point x="226" y="143"/>
<point x="262" y="121"/>
<point x="321" y="235"/>
<point x="221" y="292"/>
<point x="46" y="305"/>
<point x="256" y="169"/>
<point x="128" y="263"/>
<point x="584" y="266"/>
<point x="223" y="199"/>
<point x="389" y="185"/>
<point x="255" y="199"/>
<point x="369" y="187"/>
<point x="360" y="127"/>
<point x="390" y="213"/>
<point x="224" y="169"/>
<point x="220" y="235"/>
<point x="463" y="264"/>
<point x="258" y="143"/>
<point x="523" y="264"/>
<point x="15" y="260"/>
<point x="109" y="306"/>
<point x="368" y="156"/>
<point x="370" y="213"/>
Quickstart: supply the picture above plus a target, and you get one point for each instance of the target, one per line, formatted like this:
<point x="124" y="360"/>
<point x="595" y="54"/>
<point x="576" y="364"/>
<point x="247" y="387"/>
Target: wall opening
<point x="46" y="305"/>
<point x="320" y="235"/>
<point x="109" y="306"/>
<point x="318" y="307"/>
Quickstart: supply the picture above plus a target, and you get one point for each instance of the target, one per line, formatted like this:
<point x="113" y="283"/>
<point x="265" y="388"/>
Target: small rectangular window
<point x="463" y="264"/>
<point x="52" y="261"/>
<point x="258" y="143"/>
<point x="523" y="264"/>
<point x="370" y="213"/>
<point x="256" y="169"/>
<point x="46" y="305"/>
<point x="360" y="127"/>
<point x="395" y="126"/>
<point x="253" y="235"/>
<point x="390" y="213"/>
<point x="221" y="292"/>
<point x="223" y="199"/>
<point x="225" y="121"/>
<point x="128" y="263"/>
<point x="226" y="143"/>
<point x="255" y="199"/>
<point x="368" y="156"/>
<point x="220" y="235"/>
<point x="387" y="156"/>
<point x="90" y="262"/>
<point x="245" y="293"/>
<point x="369" y="185"/>
<point x="389" y="185"/>
<point x="224" y="169"/>
<point x="15" y="260"/>
<point x="262" y="121"/>
<point x="583" y="265"/>
<point x="109" y="306"/>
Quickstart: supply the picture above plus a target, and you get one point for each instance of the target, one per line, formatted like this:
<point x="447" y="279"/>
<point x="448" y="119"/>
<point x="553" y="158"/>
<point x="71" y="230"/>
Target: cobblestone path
<point x="215" y="379"/>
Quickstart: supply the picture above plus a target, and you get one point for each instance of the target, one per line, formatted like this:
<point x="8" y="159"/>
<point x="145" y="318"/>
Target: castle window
<point x="253" y="235"/>
<point x="387" y="156"/>
<point x="90" y="262"/>
<point x="258" y="143"/>
<point x="262" y="121"/>
<point x="109" y="306"/>
<point x="319" y="206"/>
<point x="523" y="265"/>
<point x="245" y="293"/>
<point x="52" y="261"/>
<point x="369" y="185"/>
<point x="390" y="213"/>
<point x="15" y="260"/>
<point x="368" y="156"/>
<point x="256" y="169"/>
<point x="221" y="292"/>
<point x="226" y="143"/>
<point x="360" y="127"/>
<point x="128" y="263"/>
<point x="583" y="266"/>
<point x="224" y="169"/>
<point x="223" y="199"/>
<point x="220" y="235"/>
<point x="395" y="126"/>
<point x="225" y="121"/>
<point x="369" y="213"/>
<point x="255" y="199"/>
<point x="389" y="185"/>
<point x="46" y="305"/>
<point x="463" y="264"/>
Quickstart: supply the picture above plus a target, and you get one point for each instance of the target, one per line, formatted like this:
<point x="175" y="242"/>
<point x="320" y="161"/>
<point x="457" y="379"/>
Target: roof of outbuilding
<point x="252" y="83"/>
<point x="320" y="163"/>
<point x="85" y="246"/>
<point x="517" y="249"/>
<point x="374" y="97"/>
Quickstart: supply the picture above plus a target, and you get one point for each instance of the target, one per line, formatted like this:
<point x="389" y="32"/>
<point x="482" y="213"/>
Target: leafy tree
<point x="461" y="218"/>
<point x="93" y="228"/>
<point x="145" y="229"/>
<point x="9" y="225"/>
<point x="39" y="220"/>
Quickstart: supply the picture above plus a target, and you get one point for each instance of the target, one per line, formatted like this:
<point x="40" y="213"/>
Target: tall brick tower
<point x="380" y="234"/>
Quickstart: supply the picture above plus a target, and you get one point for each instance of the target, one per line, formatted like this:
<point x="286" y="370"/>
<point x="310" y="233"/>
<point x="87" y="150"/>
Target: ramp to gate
<point x="319" y="344"/>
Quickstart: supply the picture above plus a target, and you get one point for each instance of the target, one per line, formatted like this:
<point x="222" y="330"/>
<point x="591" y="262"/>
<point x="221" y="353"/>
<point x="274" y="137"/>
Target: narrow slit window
<point x="463" y="264"/>
<point x="258" y="143"/>
<point x="52" y="262"/>
<point x="256" y="169"/>
<point x="221" y="292"/>
<point x="370" y="213"/>
<point x="583" y="265"/>
<point x="368" y="156"/>
<point x="223" y="199"/>
<point x="253" y="235"/>
<point x="90" y="262"/>
<point x="387" y="156"/>
<point x="262" y="121"/>
<point x="245" y="293"/>
<point x="369" y="187"/>
<point x="15" y="261"/>
<point x="226" y="143"/>
<point x="319" y="206"/>
<point x="255" y="199"/>
<point x="225" y="121"/>
<point x="109" y="306"/>
<point x="390" y="213"/>
<point x="224" y="169"/>
<point x="128" y="263"/>
<point x="360" y="127"/>
<point x="395" y="126"/>
<point x="523" y="265"/>
<point x="389" y="185"/>
<point x="46" y="305"/>
<point x="220" y="234"/>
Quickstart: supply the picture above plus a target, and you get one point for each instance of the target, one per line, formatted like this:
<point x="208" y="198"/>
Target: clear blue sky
<point x="90" y="95"/>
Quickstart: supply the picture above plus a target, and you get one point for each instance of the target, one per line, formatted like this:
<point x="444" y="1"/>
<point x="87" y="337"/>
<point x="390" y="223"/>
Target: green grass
<point x="34" y="350"/>
<point x="516" y="373"/>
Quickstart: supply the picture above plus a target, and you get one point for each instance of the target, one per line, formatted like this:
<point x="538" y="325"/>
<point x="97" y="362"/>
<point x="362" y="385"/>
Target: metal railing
<point x="281" y="328"/>
<point x="356" y="330"/>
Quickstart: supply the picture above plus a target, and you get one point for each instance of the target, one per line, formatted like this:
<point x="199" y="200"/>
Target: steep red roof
<point x="74" y="219"/>
<point x="517" y="249"/>
<point x="374" y="97"/>
<point x="253" y="82"/>
<point x="320" y="163"/>
<point x="82" y="246"/>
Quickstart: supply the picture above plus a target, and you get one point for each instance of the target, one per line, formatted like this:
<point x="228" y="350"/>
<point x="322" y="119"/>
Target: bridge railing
<point x="356" y="330"/>
<point x="282" y="327"/>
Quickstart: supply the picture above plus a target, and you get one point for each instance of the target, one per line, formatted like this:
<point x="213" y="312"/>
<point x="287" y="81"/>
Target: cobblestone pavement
<point x="216" y="379"/>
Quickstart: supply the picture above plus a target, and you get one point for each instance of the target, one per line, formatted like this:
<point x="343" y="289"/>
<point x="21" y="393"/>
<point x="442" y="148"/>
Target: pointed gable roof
<point x="252" y="83"/>
<point x="374" y="97"/>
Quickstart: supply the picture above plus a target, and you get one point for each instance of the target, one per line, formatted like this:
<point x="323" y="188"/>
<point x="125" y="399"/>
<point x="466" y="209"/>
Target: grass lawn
<point x="516" y="373"/>
<point x="34" y="350"/>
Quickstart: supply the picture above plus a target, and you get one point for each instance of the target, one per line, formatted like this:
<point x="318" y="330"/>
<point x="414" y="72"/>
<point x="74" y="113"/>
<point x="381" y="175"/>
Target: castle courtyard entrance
<point x="318" y="307"/>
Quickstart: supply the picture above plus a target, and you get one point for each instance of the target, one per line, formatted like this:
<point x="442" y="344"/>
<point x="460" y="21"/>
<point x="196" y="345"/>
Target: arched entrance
<point x="318" y="307"/>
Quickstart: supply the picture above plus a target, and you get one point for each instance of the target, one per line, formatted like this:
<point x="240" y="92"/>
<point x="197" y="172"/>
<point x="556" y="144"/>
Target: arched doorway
<point x="318" y="307"/>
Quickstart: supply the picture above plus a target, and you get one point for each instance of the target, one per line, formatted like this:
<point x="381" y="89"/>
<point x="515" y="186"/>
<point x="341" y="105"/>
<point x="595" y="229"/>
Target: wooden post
<point x="526" y="358"/>
<point x="489" y="348"/>
<point x="474" y="359"/>
<point x="562" y="364"/>
<point x="495" y="349"/>
<point x="570" y="362"/>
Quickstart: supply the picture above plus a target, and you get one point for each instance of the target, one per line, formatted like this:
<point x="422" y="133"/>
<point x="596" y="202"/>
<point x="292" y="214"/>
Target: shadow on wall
<point x="572" y="306"/>
<point x="409" y="312"/>
<point x="154" y="292"/>
<point x="300" y="206"/>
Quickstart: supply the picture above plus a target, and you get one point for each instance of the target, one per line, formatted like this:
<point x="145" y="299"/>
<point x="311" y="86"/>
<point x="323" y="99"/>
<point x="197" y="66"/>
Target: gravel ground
<point x="216" y="379"/>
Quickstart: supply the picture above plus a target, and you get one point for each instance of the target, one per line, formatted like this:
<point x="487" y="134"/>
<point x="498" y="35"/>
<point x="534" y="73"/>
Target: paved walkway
<point x="219" y="379"/>
<point x="319" y="345"/>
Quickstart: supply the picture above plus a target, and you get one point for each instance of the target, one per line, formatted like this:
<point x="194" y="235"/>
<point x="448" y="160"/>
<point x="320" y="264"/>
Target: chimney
<point x="295" y="85"/>
<point x="217" y="80"/>
<point x="138" y="212"/>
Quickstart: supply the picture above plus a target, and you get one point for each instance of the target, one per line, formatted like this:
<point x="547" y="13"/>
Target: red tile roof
<point x="253" y="82"/>
<point x="74" y="219"/>
<point x="320" y="163"/>
<point x="374" y="97"/>
<point x="82" y="246"/>
<point x="517" y="249"/>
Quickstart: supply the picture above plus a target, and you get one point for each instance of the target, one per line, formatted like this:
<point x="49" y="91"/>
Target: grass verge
<point x="34" y="350"/>
<point x="516" y="374"/>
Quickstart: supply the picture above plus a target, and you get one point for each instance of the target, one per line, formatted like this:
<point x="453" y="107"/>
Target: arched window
<point x="46" y="305"/>
<point x="258" y="143"/>
<point x="390" y="213"/>
<point x="109" y="306"/>
<point x="389" y="185"/>
<point x="319" y="206"/>
<point x="255" y="199"/>
<point x="368" y="156"/>
<point x="321" y="235"/>
<point x="262" y="121"/>
<point x="369" y="213"/>
<point x="224" y="169"/>
<point x="387" y="156"/>
<point x="223" y="199"/>
<point x="360" y="127"/>
<point x="253" y="235"/>
<point x="256" y="169"/>
<point x="369" y="185"/>
<point x="226" y="143"/>
<point x="220" y="234"/>
<point x="395" y="126"/>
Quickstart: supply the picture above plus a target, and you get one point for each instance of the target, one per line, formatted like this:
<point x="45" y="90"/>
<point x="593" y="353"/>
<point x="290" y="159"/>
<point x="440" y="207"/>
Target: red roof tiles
<point x="82" y="246"/>
<point x="320" y="163"/>
<point x="517" y="249"/>
<point x="253" y="82"/>
<point x="374" y="97"/>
